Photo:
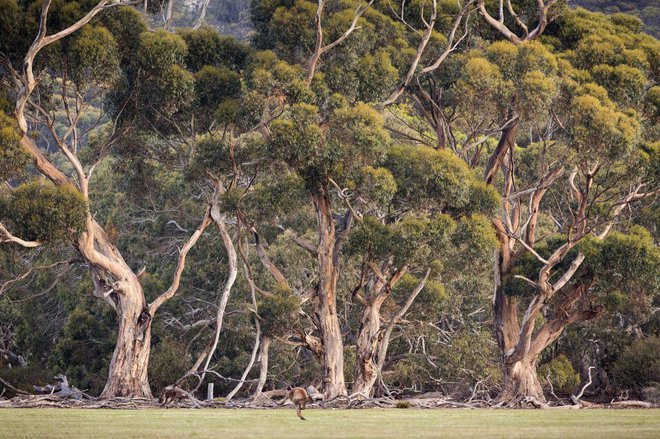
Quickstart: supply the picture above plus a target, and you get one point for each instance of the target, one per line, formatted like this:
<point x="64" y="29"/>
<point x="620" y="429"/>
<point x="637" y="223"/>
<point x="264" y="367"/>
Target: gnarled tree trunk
<point x="326" y="300"/>
<point x="130" y="360"/>
<point x="373" y="342"/>
<point x="521" y="381"/>
<point x="368" y="345"/>
<point x="117" y="284"/>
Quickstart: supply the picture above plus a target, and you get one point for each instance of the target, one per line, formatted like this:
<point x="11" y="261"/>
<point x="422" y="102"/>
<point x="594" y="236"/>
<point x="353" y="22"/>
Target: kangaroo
<point x="299" y="397"/>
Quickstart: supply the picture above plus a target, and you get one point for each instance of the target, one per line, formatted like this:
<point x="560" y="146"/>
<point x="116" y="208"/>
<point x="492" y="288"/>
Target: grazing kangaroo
<point x="299" y="397"/>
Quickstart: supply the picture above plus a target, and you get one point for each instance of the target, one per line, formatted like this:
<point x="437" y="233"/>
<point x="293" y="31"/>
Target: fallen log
<point x="61" y="389"/>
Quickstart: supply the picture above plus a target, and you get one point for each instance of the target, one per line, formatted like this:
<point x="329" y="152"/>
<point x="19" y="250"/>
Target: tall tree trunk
<point x="263" y="363"/>
<point x="326" y="303"/>
<point x="521" y="381"/>
<point x="507" y="327"/>
<point x="117" y="284"/>
<point x="367" y="350"/>
<point x="130" y="360"/>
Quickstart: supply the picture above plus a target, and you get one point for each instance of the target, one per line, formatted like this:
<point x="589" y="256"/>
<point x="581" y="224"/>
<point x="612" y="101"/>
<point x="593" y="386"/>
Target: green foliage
<point x="13" y="160"/>
<point x="632" y="23"/>
<point x="431" y="300"/>
<point x="44" y="212"/>
<point x="298" y="139"/>
<point x="475" y="237"/>
<point x="481" y="78"/>
<point x="274" y="80"/>
<point x="626" y="85"/>
<point x="561" y="374"/>
<point x="653" y="100"/>
<point x="126" y="24"/>
<point x="206" y="47"/>
<point x="597" y="129"/>
<point x="438" y="179"/>
<point x="84" y="349"/>
<point x="216" y="84"/>
<point x="291" y="30"/>
<point x="630" y="14"/>
<point x="638" y="365"/>
<point x="278" y="311"/>
<point x="276" y="197"/>
<point x="523" y="77"/>
<point x="406" y="240"/>
<point x="160" y="50"/>
<point x="405" y="373"/>
<point x="168" y="362"/>
<point x="377" y="77"/>
<point x="25" y="377"/>
<point x="173" y="90"/>
<point x="483" y="198"/>
<point x="354" y="137"/>
<point x="376" y="185"/>
<point x="94" y="57"/>
<point x="624" y="262"/>
<point x="9" y="19"/>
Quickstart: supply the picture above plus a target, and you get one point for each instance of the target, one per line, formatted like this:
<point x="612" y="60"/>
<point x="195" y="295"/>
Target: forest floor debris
<point x="265" y="402"/>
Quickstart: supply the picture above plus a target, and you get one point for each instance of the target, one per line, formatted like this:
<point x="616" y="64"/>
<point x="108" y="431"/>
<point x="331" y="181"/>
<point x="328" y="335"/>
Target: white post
<point x="209" y="395"/>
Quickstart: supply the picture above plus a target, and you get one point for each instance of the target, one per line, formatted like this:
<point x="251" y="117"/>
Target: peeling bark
<point x="368" y="344"/>
<point x="521" y="381"/>
<point x="128" y="376"/>
<point x="373" y="340"/>
<point x="326" y="300"/>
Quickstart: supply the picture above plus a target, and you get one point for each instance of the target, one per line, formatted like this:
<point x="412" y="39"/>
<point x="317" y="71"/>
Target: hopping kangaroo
<point x="299" y="397"/>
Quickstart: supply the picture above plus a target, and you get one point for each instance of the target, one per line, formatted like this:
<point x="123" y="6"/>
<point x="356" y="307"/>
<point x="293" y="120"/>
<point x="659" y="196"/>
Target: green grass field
<point x="371" y="423"/>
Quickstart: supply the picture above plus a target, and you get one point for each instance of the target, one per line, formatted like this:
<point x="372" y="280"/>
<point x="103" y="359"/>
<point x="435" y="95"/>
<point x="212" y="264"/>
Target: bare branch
<point x="6" y="236"/>
<point x="568" y="274"/>
<point x="529" y="281"/>
<point x="320" y="48"/>
<point x="384" y="343"/>
<point x="311" y="248"/>
<point x="219" y="220"/>
<point x="579" y="395"/>
<point x="542" y="11"/>
<point x="181" y="263"/>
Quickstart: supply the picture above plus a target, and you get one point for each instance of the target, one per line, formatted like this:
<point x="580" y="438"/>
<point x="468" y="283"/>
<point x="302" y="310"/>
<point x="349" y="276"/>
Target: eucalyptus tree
<point x="586" y="149"/>
<point x="60" y="71"/>
<point x="322" y="149"/>
<point x="430" y="200"/>
<point x="579" y="122"/>
<point x="598" y="145"/>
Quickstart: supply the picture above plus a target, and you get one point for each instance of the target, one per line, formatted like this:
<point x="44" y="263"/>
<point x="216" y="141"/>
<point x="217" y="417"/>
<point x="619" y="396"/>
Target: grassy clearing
<point x="371" y="423"/>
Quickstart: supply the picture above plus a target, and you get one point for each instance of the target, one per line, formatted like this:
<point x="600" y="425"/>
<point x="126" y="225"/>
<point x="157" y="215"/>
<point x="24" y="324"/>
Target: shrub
<point x="561" y="374"/>
<point x="639" y="364"/>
